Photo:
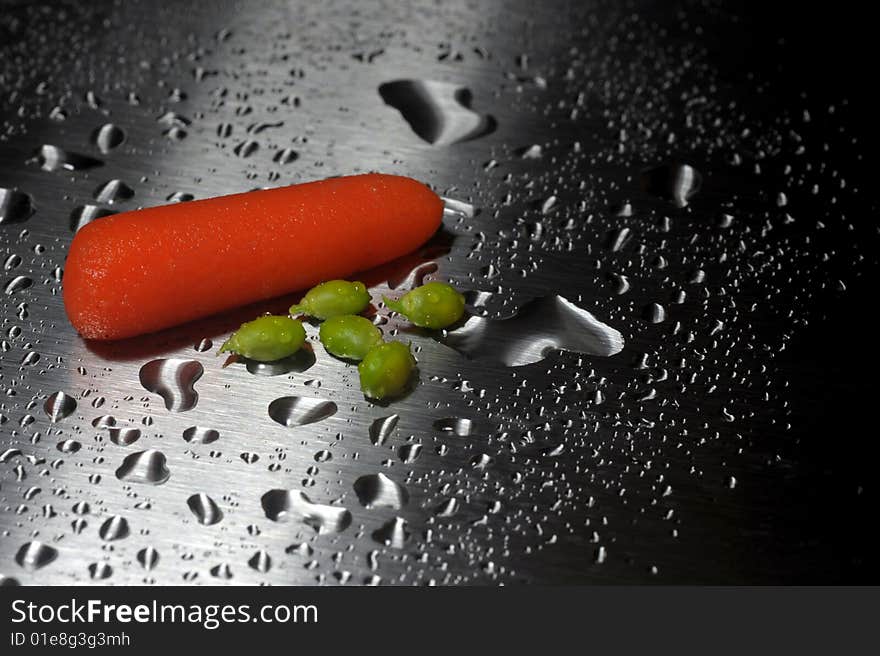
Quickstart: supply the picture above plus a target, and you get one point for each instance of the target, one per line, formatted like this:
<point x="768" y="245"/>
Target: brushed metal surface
<point x="694" y="454"/>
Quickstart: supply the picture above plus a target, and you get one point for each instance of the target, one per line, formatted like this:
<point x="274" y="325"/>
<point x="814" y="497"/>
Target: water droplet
<point x="35" y="555"/>
<point x="379" y="491"/>
<point x="447" y="508"/>
<point x="100" y="571"/>
<point x="173" y="379"/>
<point x="392" y="533"/>
<point x="283" y="505"/>
<point x="540" y="327"/>
<point x="408" y="453"/>
<point x="204" y="345"/>
<point x="113" y="191"/>
<point x="68" y="446"/>
<point x="205" y="509"/>
<point x="285" y="156"/>
<point x="299" y="362"/>
<point x="53" y="158"/>
<point x="382" y="428"/>
<point x="17" y="284"/>
<point x="179" y="197"/>
<point x="58" y="406"/>
<point x="107" y="137"/>
<point x="246" y="148"/>
<point x="300" y="410"/>
<point x="114" y="528"/>
<point x="15" y="206"/>
<point x="221" y="571"/>
<point x="655" y="313"/>
<point x="104" y="421"/>
<point x="85" y="214"/>
<point x="124" y="436"/>
<point x="438" y="112"/>
<point x="260" y="561"/>
<point x="301" y="549"/>
<point x="148" y="557"/>
<point x="675" y="182"/>
<point x="456" y="425"/>
<point x="199" y="435"/>
<point x="144" y="467"/>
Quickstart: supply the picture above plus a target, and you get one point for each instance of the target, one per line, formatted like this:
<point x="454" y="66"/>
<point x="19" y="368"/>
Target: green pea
<point x="386" y="370"/>
<point x="349" y="336"/>
<point x="266" y="339"/>
<point x="434" y="305"/>
<point x="332" y="299"/>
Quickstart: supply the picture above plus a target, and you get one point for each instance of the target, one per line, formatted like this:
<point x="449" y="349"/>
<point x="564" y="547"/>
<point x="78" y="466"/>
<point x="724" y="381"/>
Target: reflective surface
<point x="664" y="250"/>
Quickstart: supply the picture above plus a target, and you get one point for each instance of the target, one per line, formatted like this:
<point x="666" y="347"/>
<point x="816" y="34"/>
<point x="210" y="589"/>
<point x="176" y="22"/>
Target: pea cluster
<point x="385" y="368"/>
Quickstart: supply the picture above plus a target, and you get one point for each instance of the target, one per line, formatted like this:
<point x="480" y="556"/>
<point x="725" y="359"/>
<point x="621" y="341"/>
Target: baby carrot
<point x="141" y="271"/>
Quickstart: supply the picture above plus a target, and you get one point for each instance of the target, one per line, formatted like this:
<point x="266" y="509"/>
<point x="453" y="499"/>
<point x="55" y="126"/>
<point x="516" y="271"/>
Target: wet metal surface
<point x="664" y="248"/>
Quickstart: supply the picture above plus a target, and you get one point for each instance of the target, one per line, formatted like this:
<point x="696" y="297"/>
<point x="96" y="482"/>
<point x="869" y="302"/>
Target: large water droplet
<point x="107" y="137"/>
<point x="100" y="571"/>
<point x="15" y="206"/>
<point x="16" y="284"/>
<point x="382" y="428"/>
<point x="456" y="425"/>
<point x="144" y="467"/>
<point x="113" y="191"/>
<point x="173" y="380"/>
<point x="447" y="508"/>
<point x="285" y="156"/>
<point x="53" y="158"/>
<point x="282" y="505"/>
<point x="408" y="453"/>
<point x="148" y="557"/>
<point x="540" y="327"/>
<point x="300" y="410"/>
<point x="114" y="528"/>
<point x="205" y="509"/>
<point x="35" y="555"/>
<point x="260" y="561"/>
<point x="379" y="491"/>
<point x="392" y="533"/>
<point x="58" y="406"/>
<point x="124" y="436"/>
<point x="439" y="112"/>
<point x="675" y="182"/>
<point x="299" y="362"/>
<point x="85" y="214"/>
<point x="199" y="435"/>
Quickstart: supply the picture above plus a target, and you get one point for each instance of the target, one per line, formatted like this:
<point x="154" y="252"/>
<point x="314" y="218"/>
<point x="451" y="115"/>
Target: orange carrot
<point x="141" y="271"/>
